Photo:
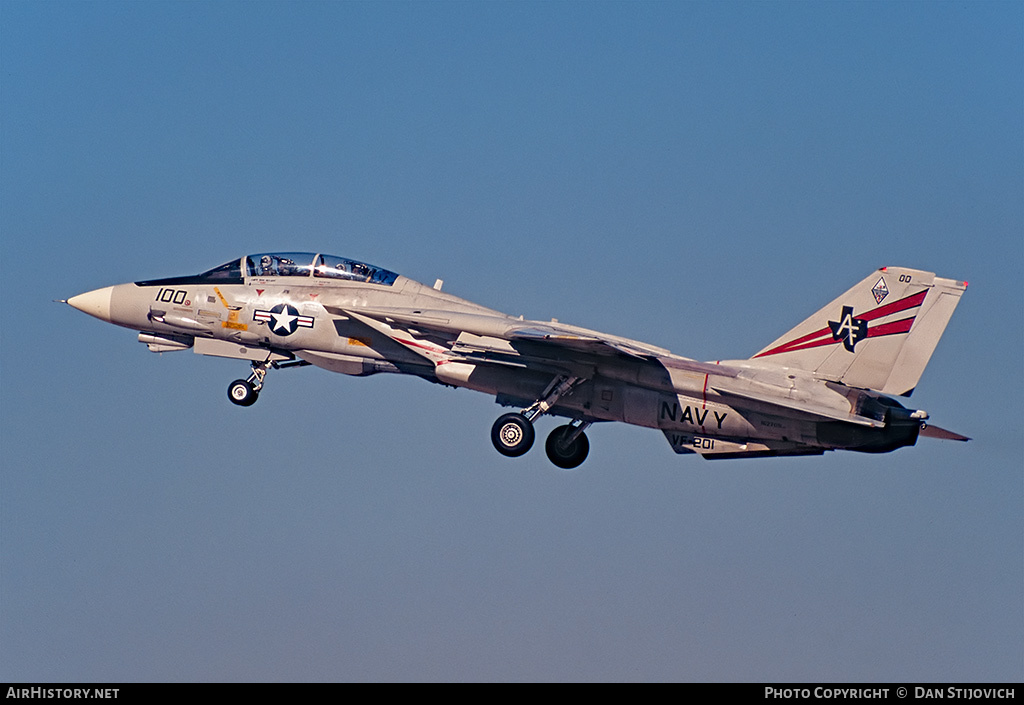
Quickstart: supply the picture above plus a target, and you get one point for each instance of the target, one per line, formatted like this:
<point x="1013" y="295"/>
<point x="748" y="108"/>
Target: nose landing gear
<point x="245" y="392"/>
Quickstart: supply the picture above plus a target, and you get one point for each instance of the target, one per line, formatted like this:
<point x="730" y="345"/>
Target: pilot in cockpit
<point x="361" y="271"/>
<point x="286" y="267"/>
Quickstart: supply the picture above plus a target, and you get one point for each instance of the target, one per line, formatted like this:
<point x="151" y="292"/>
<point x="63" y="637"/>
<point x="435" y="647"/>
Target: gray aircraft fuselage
<point x="825" y="386"/>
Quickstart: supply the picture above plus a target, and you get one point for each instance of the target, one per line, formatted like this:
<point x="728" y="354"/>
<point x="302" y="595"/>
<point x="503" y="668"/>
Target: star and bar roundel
<point x="852" y="328"/>
<point x="284" y="319"/>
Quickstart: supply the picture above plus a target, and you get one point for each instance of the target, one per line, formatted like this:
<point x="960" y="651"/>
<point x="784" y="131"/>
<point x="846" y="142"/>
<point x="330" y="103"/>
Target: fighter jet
<point x="827" y="384"/>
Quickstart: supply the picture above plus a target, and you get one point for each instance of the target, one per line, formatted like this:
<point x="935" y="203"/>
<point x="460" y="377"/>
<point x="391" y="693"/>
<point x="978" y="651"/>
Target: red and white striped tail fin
<point x="878" y="335"/>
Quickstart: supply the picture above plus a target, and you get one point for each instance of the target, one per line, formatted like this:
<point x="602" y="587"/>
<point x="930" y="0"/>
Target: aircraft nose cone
<point x="95" y="303"/>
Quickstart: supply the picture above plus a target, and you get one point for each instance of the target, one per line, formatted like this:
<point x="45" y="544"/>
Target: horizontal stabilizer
<point x="936" y="432"/>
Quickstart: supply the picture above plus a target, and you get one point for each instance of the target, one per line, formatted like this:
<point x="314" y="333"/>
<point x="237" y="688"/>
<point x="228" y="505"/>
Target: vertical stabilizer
<point x="878" y="335"/>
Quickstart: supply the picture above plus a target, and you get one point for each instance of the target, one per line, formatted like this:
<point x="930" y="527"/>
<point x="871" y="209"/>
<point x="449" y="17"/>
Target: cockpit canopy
<point x="303" y="264"/>
<point x="287" y="264"/>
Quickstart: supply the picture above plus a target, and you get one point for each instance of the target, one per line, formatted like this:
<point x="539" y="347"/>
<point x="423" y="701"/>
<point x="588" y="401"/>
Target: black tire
<point x="240" y="392"/>
<point x="512" y="435"/>
<point x="566" y="457"/>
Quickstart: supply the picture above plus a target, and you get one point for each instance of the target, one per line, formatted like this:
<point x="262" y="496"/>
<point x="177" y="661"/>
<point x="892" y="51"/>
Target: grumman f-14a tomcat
<point x="827" y="384"/>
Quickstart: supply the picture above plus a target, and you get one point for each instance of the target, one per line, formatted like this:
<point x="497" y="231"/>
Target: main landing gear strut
<point x="567" y="446"/>
<point x="245" y="392"/>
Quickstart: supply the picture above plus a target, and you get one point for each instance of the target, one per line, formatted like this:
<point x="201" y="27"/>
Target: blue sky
<point x="700" y="176"/>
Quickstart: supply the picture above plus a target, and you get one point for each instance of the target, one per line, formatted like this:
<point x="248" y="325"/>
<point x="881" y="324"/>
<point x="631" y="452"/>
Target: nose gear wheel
<point x="245" y="392"/>
<point x="242" y="393"/>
